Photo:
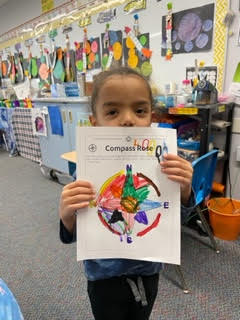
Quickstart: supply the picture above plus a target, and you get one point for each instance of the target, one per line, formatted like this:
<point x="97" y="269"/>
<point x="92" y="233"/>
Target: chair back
<point x="203" y="173"/>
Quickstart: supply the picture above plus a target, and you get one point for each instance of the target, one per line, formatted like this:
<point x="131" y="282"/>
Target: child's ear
<point x="93" y="120"/>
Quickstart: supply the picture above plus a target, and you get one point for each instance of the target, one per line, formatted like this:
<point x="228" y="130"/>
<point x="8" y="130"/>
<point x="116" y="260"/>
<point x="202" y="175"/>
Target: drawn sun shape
<point x="123" y="201"/>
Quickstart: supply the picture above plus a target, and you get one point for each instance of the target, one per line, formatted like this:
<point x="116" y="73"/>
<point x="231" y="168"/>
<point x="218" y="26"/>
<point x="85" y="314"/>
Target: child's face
<point x="123" y="101"/>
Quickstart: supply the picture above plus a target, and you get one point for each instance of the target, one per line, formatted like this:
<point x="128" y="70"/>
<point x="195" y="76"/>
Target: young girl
<point x="121" y="289"/>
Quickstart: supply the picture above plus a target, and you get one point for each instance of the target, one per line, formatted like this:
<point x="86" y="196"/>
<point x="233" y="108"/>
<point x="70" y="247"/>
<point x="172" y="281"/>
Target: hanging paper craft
<point x="68" y="62"/>
<point x="137" y="53"/>
<point x="169" y="28"/>
<point x="79" y="56"/>
<point x="38" y="122"/>
<point x="4" y="68"/>
<point x="19" y="63"/>
<point x="94" y="54"/>
<point x="13" y="70"/>
<point x="192" y="30"/>
<point x="43" y="68"/>
<point x="112" y="51"/>
<point x="19" y="67"/>
<point x="135" y="5"/>
<point x="58" y="71"/>
<point x="86" y="49"/>
<point x="106" y="16"/>
<point x="136" y="211"/>
<point x="1" y="73"/>
<point x="27" y="71"/>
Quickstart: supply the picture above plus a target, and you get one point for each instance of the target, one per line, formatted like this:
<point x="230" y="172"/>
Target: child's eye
<point x="112" y="112"/>
<point x="141" y="111"/>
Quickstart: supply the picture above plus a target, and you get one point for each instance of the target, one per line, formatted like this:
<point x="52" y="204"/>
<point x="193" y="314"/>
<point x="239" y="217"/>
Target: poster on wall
<point x="111" y="48"/>
<point x="192" y="30"/>
<point x="38" y="122"/>
<point x="134" y="54"/>
<point x="136" y="210"/>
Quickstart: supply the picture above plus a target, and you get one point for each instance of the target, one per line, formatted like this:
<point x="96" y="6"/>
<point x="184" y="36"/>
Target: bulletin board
<point x="150" y="23"/>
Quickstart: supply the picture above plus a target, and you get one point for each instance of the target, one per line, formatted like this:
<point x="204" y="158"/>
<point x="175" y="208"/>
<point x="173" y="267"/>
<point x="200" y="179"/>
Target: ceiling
<point x="2" y="2"/>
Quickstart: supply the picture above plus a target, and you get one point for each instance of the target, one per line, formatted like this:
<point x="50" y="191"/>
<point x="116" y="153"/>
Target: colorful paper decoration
<point x="138" y="58"/>
<point x="111" y="48"/>
<point x="169" y="27"/>
<point x="144" y="51"/>
<point x="136" y="25"/>
<point x="135" y="5"/>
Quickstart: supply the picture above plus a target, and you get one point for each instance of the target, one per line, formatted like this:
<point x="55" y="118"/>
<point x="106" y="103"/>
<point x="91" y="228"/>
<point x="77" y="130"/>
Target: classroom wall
<point x="150" y="20"/>
<point x="14" y="13"/>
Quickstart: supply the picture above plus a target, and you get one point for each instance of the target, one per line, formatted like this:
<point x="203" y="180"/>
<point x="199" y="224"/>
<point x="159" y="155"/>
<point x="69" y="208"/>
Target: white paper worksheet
<point x="136" y="212"/>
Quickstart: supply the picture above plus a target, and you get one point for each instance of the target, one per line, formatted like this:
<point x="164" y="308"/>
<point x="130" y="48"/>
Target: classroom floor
<point x="49" y="284"/>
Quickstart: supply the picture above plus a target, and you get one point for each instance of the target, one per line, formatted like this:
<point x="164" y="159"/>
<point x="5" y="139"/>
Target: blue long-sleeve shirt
<point x="97" y="269"/>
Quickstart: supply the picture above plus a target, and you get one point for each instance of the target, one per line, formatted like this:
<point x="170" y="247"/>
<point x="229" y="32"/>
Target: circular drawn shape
<point x="207" y="25"/>
<point x="202" y="84"/>
<point x="131" y="52"/>
<point x="133" y="61"/>
<point x="189" y="27"/>
<point x="97" y="57"/>
<point x="174" y="36"/>
<point x="117" y="51"/>
<point x="88" y="47"/>
<point x="104" y="60"/>
<point x="113" y="37"/>
<point x="177" y="45"/>
<point x="91" y="57"/>
<point x="120" y="207"/>
<point x="164" y="45"/>
<point x="94" y="46"/>
<point x="143" y="40"/>
<point x="201" y="40"/>
<point x="146" y="68"/>
<point x="129" y="43"/>
<point x="79" y="65"/>
<point x="188" y="46"/>
<point x="92" y="147"/>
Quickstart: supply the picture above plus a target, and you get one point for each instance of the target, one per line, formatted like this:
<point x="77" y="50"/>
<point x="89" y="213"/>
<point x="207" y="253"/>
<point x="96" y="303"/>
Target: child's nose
<point x="127" y="119"/>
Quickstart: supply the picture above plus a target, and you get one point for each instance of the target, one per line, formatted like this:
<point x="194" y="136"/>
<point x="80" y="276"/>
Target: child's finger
<point x="78" y="183"/>
<point x="77" y="191"/>
<point x="78" y="199"/>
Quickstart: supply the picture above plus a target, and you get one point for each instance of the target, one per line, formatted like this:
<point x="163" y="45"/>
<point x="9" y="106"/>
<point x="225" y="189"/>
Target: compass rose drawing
<point x="124" y="201"/>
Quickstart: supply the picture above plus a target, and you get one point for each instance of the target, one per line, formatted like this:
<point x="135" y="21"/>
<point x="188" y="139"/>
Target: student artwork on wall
<point x="137" y="53"/>
<point x="38" y="122"/>
<point x="111" y="48"/>
<point x="136" y="206"/>
<point x="192" y="30"/>
<point x="93" y="54"/>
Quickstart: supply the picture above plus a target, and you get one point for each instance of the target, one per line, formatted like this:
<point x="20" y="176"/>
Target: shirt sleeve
<point x="187" y="210"/>
<point x="65" y="235"/>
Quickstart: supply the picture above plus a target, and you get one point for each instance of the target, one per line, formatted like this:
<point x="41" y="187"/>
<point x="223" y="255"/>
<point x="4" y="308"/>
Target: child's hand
<point x="181" y="171"/>
<point x="75" y="195"/>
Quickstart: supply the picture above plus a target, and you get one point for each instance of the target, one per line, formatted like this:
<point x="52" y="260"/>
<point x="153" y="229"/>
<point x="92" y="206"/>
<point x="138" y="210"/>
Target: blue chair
<point x="9" y="308"/>
<point x="203" y="174"/>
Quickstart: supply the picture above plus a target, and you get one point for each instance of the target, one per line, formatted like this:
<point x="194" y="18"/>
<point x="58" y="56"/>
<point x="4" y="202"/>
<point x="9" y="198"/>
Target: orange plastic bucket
<point x="224" y="215"/>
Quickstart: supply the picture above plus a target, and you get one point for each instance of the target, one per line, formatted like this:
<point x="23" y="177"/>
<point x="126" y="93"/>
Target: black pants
<point x="113" y="299"/>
